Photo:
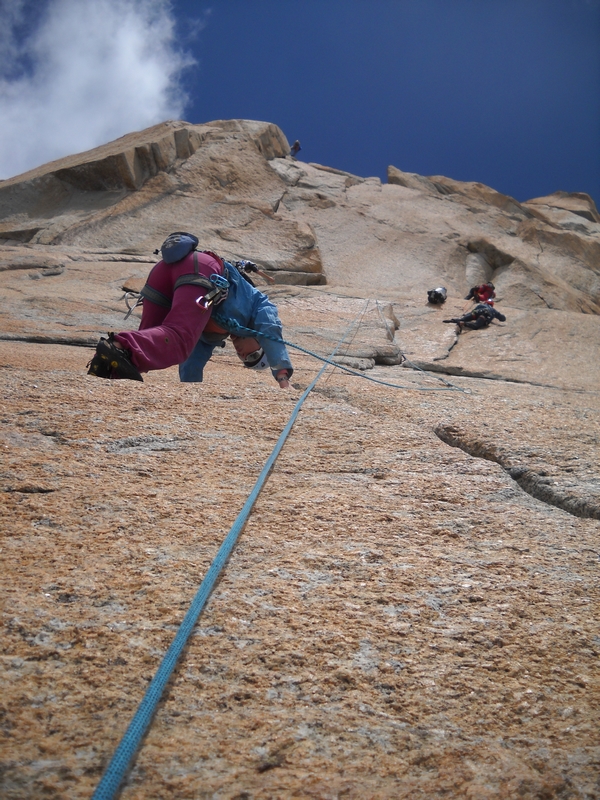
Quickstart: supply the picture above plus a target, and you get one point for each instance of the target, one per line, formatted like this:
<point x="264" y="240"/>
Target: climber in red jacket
<point x="483" y="293"/>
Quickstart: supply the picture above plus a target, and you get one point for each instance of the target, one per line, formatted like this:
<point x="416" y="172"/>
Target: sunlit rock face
<point x="234" y="184"/>
<point x="74" y="231"/>
<point x="125" y="197"/>
<point x="411" y="609"/>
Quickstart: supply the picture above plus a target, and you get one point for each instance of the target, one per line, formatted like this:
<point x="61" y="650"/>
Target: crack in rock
<point x="460" y="372"/>
<point x="141" y="444"/>
<point x="529" y="480"/>
<point x="449" y="350"/>
<point x="29" y="488"/>
<point x="72" y="341"/>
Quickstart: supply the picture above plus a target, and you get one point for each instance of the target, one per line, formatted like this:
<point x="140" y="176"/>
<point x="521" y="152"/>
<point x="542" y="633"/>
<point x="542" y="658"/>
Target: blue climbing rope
<point x="129" y="744"/>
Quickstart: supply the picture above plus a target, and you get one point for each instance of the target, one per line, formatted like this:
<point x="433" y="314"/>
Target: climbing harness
<point x="129" y="744"/>
<point x="216" y="285"/>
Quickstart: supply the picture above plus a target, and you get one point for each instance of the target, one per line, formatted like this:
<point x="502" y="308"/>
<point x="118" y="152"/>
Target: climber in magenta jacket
<point x="179" y="296"/>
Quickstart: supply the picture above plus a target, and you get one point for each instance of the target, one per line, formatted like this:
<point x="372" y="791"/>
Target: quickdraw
<point x="218" y="293"/>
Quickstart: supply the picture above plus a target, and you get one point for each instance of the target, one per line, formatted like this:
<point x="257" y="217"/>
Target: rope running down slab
<point x="125" y="753"/>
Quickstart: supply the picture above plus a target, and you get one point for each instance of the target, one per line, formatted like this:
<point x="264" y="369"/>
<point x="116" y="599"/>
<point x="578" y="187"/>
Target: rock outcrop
<point x="74" y="232"/>
<point x="125" y="197"/>
<point x="531" y="254"/>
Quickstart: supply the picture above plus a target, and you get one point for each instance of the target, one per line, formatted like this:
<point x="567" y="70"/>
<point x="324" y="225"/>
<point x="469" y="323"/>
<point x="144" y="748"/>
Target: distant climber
<point x="179" y="297"/>
<point x="295" y="148"/>
<point x="437" y="296"/>
<point x="480" y="317"/>
<point x="483" y="293"/>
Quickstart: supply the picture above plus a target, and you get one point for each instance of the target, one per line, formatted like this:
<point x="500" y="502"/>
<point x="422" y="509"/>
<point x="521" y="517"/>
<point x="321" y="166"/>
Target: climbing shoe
<point x="112" y="362"/>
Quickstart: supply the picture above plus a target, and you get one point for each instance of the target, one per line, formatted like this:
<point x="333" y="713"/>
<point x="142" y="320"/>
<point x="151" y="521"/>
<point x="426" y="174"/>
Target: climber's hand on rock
<point x="282" y="379"/>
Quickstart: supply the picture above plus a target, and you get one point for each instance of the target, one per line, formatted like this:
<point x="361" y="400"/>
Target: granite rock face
<point x="99" y="216"/>
<point x="411" y="609"/>
<point x="126" y="197"/>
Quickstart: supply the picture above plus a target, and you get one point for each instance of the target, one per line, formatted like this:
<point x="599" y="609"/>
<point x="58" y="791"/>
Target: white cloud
<point x="88" y="73"/>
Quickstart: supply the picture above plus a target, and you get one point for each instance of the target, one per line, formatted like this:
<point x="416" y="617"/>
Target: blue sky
<point x="505" y="92"/>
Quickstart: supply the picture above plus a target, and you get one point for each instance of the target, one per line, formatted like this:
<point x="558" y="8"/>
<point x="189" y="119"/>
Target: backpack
<point x="437" y="296"/>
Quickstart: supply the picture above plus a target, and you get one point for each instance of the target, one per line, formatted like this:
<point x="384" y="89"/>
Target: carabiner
<point x="221" y="285"/>
<point x="138" y="301"/>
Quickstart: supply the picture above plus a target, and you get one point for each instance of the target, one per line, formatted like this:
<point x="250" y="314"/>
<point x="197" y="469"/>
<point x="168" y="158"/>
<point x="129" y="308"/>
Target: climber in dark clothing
<point x="480" y="317"/>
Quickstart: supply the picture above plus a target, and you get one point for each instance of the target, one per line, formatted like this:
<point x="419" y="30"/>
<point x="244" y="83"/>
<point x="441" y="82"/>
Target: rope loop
<point x="240" y="330"/>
